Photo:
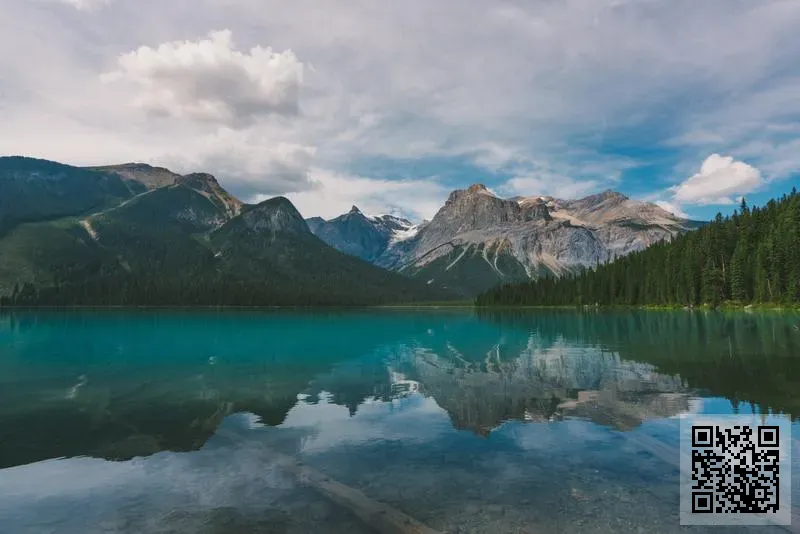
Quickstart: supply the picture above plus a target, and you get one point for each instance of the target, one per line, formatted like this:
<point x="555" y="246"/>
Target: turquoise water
<point x="465" y="421"/>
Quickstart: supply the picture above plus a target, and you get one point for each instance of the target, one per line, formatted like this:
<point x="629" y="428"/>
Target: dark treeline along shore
<point x="750" y="257"/>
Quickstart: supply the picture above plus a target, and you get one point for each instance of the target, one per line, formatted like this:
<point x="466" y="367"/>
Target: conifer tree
<point x="738" y="267"/>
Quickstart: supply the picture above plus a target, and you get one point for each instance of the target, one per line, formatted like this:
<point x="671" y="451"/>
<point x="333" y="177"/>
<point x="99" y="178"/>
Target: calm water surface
<point x="468" y="422"/>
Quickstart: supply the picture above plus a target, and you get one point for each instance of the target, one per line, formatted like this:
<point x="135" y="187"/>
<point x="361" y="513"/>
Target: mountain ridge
<point x="185" y="242"/>
<point x="478" y="240"/>
<point x="749" y="257"/>
<point x="134" y="216"/>
<point x="359" y="235"/>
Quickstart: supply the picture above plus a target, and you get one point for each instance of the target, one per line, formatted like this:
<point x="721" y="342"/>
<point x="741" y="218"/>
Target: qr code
<point x="734" y="468"/>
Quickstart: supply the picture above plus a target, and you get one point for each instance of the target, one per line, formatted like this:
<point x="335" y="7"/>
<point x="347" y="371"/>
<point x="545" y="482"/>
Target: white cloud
<point x="583" y="176"/>
<point x="549" y="185"/>
<point x="672" y="208"/>
<point x="209" y="80"/>
<point x="87" y="5"/>
<point x="249" y="163"/>
<point x="504" y="83"/>
<point x="334" y="194"/>
<point x="719" y="178"/>
<point x="414" y="419"/>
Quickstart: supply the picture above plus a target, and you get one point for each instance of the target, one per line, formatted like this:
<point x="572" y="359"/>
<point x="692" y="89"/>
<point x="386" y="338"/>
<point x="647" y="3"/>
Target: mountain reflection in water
<point x="488" y="421"/>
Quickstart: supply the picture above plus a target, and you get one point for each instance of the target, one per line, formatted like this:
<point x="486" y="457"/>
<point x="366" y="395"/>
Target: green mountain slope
<point x="188" y="243"/>
<point x="752" y="256"/>
<point x="469" y="268"/>
<point x="41" y="254"/>
<point x="272" y="237"/>
<point x="36" y="190"/>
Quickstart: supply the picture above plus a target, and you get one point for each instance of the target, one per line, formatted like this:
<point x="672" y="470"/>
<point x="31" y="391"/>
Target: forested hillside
<point x="39" y="190"/>
<point x="753" y="256"/>
<point x="77" y="237"/>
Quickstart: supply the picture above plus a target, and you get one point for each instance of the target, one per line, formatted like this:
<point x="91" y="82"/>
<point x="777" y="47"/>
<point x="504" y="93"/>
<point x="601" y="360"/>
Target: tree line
<point x="751" y="256"/>
<point x="160" y="289"/>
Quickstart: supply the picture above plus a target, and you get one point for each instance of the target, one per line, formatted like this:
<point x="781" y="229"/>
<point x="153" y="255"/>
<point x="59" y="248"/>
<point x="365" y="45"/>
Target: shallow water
<point x="468" y="422"/>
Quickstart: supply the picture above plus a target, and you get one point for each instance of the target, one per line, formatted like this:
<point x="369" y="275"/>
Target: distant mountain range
<point x="140" y="235"/>
<point x="366" y="237"/>
<point x="478" y="240"/>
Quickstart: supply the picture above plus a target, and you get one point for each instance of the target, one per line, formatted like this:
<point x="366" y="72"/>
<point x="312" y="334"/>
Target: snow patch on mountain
<point x="404" y="234"/>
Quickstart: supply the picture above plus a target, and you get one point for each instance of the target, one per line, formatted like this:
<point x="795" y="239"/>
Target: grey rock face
<point x="475" y="210"/>
<point x="358" y="235"/>
<point x="209" y="187"/>
<point x="531" y="235"/>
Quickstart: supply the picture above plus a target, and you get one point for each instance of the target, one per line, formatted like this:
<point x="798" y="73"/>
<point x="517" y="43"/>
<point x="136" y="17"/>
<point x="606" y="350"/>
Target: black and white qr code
<point x="735" y="470"/>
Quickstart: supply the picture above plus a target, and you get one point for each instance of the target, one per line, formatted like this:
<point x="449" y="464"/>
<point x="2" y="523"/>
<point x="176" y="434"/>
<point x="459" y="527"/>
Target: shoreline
<point x="651" y="307"/>
<point x="456" y="305"/>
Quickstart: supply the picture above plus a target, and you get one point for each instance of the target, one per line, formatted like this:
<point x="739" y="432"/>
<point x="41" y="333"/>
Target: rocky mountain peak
<point x="605" y="196"/>
<point x="360" y="235"/>
<point x="142" y="173"/>
<point x="476" y="208"/>
<point x="199" y="180"/>
<point x="477" y="188"/>
<point x="275" y="215"/>
<point x="136" y="166"/>
<point x="207" y="185"/>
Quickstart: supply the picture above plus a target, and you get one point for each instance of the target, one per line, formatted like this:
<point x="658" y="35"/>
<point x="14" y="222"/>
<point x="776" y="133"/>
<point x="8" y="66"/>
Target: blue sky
<point x="391" y="105"/>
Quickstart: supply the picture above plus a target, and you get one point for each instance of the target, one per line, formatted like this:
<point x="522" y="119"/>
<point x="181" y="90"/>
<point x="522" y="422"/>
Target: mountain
<point x="273" y="238"/>
<point x="358" y="235"/>
<point x="544" y="384"/>
<point x="186" y="242"/>
<point x="752" y="256"/>
<point x="478" y="240"/>
<point x="36" y="190"/>
<point x="140" y="176"/>
<point x="484" y="375"/>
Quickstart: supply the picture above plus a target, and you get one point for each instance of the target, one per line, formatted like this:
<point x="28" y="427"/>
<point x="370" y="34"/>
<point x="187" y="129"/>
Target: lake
<point x="290" y="421"/>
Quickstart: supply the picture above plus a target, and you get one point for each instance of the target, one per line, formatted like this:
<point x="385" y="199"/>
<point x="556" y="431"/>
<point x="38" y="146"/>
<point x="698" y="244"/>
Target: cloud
<point x="585" y="175"/>
<point x="778" y="159"/>
<point x="719" y="178"/>
<point x="208" y="80"/>
<point x="171" y="487"/>
<point x="250" y="163"/>
<point x="535" y="90"/>
<point x="87" y="5"/>
<point x="672" y="208"/>
<point x="334" y="194"/>
<point x="552" y="185"/>
<point x="414" y="419"/>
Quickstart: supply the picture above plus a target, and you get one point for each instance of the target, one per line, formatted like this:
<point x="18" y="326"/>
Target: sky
<point x="391" y="105"/>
